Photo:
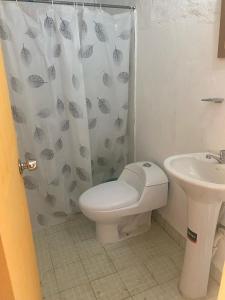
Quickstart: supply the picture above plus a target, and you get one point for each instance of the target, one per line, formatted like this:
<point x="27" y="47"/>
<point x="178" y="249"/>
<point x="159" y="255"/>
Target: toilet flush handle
<point x="147" y="165"/>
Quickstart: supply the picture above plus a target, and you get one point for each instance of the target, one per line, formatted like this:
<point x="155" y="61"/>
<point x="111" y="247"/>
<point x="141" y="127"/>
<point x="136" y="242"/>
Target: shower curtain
<point x="68" y="74"/>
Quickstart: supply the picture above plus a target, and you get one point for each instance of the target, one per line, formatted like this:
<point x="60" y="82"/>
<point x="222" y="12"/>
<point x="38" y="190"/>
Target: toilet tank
<point x="150" y="181"/>
<point x="134" y="176"/>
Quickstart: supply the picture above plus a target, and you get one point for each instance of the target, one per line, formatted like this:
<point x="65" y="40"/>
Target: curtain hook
<point x="52" y="3"/>
<point x="17" y="3"/>
<point x="83" y="4"/>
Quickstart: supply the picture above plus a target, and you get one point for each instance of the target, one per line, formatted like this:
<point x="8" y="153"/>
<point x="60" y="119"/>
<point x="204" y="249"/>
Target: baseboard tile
<point x="215" y="273"/>
<point x="173" y="233"/>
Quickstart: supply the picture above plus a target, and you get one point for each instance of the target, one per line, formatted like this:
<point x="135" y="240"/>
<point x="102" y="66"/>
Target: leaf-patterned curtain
<point x="68" y="73"/>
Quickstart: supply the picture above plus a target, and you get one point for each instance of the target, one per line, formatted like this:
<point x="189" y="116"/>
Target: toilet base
<point x="124" y="228"/>
<point x="107" y="233"/>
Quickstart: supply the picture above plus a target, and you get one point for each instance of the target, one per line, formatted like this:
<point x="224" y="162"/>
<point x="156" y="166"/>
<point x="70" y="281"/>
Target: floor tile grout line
<point x="63" y="264"/>
<point x="99" y="277"/>
<point x="52" y="269"/>
<point x="157" y="283"/>
<point x="55" y="270"/>
<point x="54" y="274"/>
<point x="170" y="261"/>
<point x="145" y="267"/>
<point x="90" y="281"/>
<point x="117" y="271"/>
<point x="168" y="233"/>
<point x="74" y="287"/>
<point x="106" y="251"/>
<point x="121" y="281"/>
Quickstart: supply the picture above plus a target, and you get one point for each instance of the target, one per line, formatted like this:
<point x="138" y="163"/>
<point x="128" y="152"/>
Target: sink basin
<point x="195" y="170"/>
<point x="203" y="181"/>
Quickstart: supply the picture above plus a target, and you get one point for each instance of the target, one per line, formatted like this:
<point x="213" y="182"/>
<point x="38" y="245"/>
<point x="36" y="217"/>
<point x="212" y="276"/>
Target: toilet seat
<point x="109" y="196"/>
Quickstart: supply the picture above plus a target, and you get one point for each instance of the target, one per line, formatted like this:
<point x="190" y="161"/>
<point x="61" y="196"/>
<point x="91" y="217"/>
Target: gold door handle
<point x="29" y="165"/>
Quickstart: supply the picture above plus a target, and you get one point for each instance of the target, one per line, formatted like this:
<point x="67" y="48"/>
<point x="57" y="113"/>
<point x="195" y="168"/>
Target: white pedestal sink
<point x="203" y="181"/>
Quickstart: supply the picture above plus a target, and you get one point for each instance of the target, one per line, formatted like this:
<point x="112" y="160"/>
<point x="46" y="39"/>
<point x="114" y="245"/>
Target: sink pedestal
<point x="203" y="182"/>
<point x="202" y="222"/>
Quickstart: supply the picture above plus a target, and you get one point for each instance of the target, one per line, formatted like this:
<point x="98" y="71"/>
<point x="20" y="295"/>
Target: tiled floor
<point x="74" y="266"/>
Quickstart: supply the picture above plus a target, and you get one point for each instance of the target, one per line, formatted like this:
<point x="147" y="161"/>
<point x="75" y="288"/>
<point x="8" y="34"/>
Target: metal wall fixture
<point x="213" y="100"/>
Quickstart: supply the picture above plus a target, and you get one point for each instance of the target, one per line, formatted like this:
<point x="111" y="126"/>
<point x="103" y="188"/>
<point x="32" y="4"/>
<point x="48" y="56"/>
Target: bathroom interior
<point x="119" y="113"/>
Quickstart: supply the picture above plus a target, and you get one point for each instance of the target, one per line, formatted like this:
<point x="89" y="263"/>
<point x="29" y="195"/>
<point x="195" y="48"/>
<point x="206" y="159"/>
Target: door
<point x="19" y="279"/>
<point x="222" y="286"/>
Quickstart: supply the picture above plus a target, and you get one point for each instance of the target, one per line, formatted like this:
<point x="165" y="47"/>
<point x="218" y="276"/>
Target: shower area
<point x="70" y="68"/>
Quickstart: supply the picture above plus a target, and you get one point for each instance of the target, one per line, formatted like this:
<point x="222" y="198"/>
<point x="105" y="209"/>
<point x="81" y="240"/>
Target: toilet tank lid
<point x="154" y="175"/>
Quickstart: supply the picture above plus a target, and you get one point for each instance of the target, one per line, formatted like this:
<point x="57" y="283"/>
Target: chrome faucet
<point x="220" y="158"/>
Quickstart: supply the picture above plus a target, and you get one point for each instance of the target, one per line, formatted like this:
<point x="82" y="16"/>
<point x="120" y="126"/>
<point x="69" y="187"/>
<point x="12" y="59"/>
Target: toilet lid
<point x="110" y="195"/>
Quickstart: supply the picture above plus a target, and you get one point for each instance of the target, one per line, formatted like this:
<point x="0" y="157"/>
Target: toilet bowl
<point x="141" y="187"/>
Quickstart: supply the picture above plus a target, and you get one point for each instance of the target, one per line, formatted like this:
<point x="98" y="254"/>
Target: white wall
<point x="177" y="66"/>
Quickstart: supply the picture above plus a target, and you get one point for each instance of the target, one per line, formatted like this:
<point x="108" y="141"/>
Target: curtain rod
<point x="66" y="2"/>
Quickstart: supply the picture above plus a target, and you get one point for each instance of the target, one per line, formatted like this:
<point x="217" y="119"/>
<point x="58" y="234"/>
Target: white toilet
<point x="141" y="187"/>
